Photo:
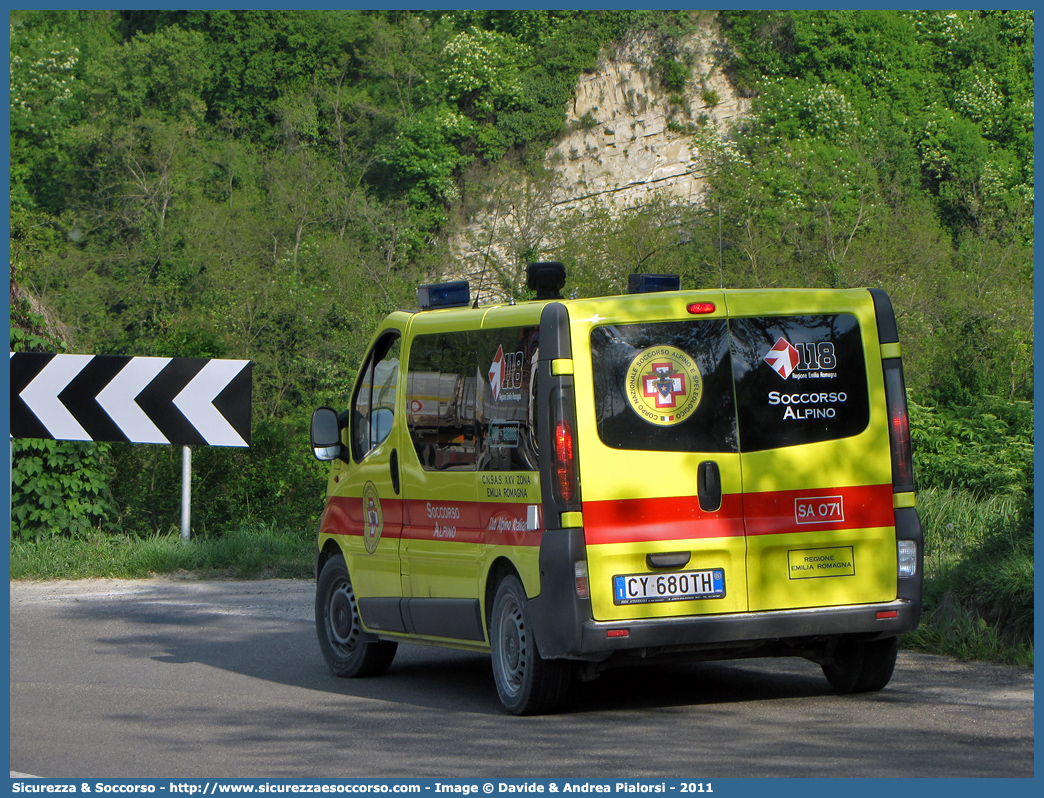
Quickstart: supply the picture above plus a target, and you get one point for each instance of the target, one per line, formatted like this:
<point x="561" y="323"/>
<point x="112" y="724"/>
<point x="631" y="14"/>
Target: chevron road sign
<point x="181" y="400"/>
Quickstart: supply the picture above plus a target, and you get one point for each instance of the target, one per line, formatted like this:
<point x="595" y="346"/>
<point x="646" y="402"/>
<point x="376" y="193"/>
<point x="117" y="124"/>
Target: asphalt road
<point x="184" y="678"/>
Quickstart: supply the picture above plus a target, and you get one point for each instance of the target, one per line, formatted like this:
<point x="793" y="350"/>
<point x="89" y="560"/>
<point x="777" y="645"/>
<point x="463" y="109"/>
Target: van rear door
<point x="659" y="464"/>
<point x="815" y="459"/>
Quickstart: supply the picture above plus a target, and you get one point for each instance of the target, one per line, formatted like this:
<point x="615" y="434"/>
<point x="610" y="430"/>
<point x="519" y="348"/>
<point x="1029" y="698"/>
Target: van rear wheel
<point x="862" y="666"/>
<point x="526" y="683"/>
<point x="349" y="651"/>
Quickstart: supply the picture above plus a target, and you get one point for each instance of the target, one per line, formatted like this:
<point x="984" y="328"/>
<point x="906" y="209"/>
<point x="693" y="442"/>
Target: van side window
<point x="469" y="400"/>
<point x="440" y="400"/>
<point x="664" y="386"/>
<point x="507" y="399"/>
<point x="799" y="379"/>
<point x="373" y="409"/>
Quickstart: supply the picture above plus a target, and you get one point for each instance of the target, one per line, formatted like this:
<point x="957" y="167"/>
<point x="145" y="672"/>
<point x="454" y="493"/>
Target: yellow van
<point x="575" y="484"/>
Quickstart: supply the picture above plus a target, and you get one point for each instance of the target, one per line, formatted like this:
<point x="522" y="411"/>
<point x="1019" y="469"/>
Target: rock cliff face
<point x="629" y="137"/>
<point x="629" y="140"/>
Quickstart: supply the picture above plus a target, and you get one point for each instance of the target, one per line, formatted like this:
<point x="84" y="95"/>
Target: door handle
<point x="668" y="559"/>
<point x="393" y="464"/>
<point x="708" y="486"/>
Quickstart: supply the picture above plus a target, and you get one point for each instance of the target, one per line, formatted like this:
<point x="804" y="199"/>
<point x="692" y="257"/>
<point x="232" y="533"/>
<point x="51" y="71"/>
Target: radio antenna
<point x="489" y="246"/>
<point x="721" y="270"/>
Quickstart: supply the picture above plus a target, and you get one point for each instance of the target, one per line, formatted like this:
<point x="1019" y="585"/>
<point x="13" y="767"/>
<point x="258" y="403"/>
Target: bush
<point x="673" y="74"/>
<point x="59" y="488"/>
<point x="986" y="449"/>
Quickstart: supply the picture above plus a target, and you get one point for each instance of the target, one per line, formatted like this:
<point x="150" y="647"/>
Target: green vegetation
<point x="250" y="550"/>
<point x="979" y="591"/>
<point x="976" y="507"/>
<point x="267" y="184"/>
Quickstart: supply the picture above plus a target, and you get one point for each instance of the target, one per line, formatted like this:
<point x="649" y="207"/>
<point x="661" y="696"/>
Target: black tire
<point x="526" y="683"/>
<point x="861" y="666"/>
<point x="348" y="650"/>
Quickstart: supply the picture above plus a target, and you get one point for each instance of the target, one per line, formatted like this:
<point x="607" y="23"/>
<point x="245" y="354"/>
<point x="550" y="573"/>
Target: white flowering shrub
<point x="481" y="70"/>
<point x="803" y="134"/>
<point x="936" y="157"/>
<point x="827" y="114"/>
<point x="943" y="29"/>
<point x="711" y="148"/>
<point x="794" y="109"/>
<point x="46" y="102"/>
<point x="42" y="79"/>
<point x="980" y="99"/>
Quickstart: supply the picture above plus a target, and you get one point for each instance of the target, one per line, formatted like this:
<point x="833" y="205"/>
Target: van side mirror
<point x="326" y="434"/>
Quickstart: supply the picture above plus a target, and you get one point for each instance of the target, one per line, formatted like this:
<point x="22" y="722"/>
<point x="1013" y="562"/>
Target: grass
<point x="978" y="594"/>
<point x="254" y="550"/>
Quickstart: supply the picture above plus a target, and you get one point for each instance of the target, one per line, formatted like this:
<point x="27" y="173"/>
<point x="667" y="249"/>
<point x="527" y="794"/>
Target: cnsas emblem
<point x="373" y="518"/>
<point x="664" y="385"/>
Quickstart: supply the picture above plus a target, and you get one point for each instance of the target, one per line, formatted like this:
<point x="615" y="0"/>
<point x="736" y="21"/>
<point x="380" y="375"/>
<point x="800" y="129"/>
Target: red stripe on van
<point x="628" y="520"/>
<point x="344" y="516"/>
<point x="488" y="523"/>
<point x="669" y="518"/>
<point x="780" y="512"/>
<point x="768" y="513"/>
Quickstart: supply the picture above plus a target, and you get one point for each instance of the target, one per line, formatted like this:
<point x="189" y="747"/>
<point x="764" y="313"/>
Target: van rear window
<point x="664" y="386"/>
<point x="713" y="385"/>
<point x="799" y="379"/>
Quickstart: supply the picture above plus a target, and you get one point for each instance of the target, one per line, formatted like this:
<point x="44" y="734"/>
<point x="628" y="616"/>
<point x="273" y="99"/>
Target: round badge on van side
<point x="664" y="385"/>
<point x="373" y="517"/>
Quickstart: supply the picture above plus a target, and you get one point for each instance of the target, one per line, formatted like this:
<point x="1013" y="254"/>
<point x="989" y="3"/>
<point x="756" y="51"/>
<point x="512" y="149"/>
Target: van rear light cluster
<point x="907" y="552"/>
<point x="565" y="461"/>
<point x="898" y="427"/>
<point x="583" y="586"/>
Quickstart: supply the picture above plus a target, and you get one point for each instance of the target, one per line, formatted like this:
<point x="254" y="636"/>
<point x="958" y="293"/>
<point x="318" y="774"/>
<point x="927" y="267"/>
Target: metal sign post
<point x="186" y="491"/>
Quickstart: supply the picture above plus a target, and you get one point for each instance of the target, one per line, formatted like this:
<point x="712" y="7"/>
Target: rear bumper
<point x="598" y="638"/>
<point x="564" y="625"/>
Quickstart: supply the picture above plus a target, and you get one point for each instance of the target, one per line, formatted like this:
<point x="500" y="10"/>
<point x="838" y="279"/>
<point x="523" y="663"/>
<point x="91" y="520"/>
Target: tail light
<point x="583" y="586"/>
<point x="565" y="462"/>
<point x="899" y="427"/>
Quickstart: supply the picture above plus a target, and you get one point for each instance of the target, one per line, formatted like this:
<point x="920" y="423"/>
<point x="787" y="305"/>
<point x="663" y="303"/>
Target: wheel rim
<point x="513" y="647"/>
<point x="342" y="617"/>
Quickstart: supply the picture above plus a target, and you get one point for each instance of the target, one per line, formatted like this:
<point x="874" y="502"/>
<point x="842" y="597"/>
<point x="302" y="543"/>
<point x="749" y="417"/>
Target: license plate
<point x="680" y="586"/>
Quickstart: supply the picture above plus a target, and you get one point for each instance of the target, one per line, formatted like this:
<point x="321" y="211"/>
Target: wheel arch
<point x="328" y="549"/>
<point x="498" y="569"/>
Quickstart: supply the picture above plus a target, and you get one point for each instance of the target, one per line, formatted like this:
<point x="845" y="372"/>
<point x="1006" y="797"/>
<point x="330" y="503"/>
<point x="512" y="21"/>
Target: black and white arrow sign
<point x="183" y="400"/>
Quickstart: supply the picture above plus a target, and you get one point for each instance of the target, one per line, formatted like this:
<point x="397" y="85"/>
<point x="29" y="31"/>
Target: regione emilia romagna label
<point x="664" y="385"/>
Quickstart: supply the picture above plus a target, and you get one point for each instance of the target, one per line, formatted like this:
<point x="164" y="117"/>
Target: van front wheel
<point x="526" y="683"/>
<point x="348" y="650"/>
<point x="861" y="666"/>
